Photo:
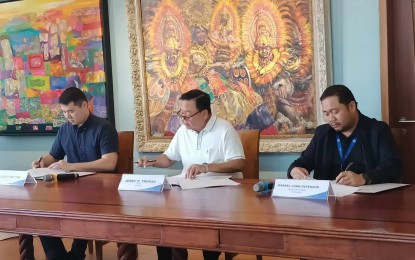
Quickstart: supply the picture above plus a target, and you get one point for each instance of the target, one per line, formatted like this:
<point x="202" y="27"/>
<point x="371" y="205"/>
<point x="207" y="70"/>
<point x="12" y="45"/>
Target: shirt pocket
<point x="212" y="155"/>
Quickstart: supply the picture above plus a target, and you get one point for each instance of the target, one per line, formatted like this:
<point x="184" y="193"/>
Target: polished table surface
<point x="235" y="219"/>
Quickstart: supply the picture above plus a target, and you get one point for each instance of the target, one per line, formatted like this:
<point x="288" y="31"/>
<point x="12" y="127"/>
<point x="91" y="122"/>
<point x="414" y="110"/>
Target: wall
<point x="356" y="49"/>
<point x="355" y="40"/>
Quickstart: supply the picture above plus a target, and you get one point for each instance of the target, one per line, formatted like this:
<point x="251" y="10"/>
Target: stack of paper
<point x="201" y="181"/>
<point x="374" y="188"/>
<point x="344" y="190"/>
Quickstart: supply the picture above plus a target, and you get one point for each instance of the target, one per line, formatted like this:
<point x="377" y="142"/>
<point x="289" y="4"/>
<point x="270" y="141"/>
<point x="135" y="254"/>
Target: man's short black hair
<point x="341" y="91"/>
<point x="202" y="99"/>
<point x="74" y="95"/>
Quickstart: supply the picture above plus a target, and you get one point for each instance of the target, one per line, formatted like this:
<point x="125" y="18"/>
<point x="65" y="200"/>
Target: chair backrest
<point x="250" y="142"/>
<point x="125" y="152"/>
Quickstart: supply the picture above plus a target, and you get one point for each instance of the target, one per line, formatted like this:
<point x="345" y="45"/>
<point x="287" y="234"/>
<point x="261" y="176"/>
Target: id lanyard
<point x="340" y="148"/>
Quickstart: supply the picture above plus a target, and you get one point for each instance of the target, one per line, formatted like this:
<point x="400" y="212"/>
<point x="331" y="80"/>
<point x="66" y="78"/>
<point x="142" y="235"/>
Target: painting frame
<point x="7" y="1"/>
<point x="99" y="92"/>
<point x="322" y="78"/>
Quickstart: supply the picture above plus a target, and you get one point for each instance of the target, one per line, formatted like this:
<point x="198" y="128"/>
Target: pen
<point x="348" y="166"/>
<point x="40" y="159"/>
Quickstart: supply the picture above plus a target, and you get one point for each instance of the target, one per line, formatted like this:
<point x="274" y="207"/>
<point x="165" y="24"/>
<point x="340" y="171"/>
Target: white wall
<point x="356" y="51"/>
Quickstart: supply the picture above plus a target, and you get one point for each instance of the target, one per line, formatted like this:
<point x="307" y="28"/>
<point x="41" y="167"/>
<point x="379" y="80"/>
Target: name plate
<point x="138" y="182"/>
<point x="305" y="189"/>
<point x="15" y="178"/>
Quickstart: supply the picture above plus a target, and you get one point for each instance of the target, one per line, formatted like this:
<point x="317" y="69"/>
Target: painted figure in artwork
<point x="169" y="65"/>
<point x="225" y="38"/>
<point x="233" y="100"/>
<point x="274" y="49"/>
<point x="253" y="58"/>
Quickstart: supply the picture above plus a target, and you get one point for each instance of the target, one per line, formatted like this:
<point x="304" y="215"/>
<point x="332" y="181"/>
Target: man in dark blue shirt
<point x="89" y="143"/>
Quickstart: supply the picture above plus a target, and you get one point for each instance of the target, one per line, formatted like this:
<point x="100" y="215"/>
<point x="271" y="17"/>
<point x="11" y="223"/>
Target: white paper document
<point x="204" y="182"/>
<point x="174" y="180"/>
<point x="374" y="188"/>
<point x="342" y="190"/>
<point x="38" y="173"/>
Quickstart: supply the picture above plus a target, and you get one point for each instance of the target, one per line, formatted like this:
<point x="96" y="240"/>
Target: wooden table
<point x="234" y="219"/>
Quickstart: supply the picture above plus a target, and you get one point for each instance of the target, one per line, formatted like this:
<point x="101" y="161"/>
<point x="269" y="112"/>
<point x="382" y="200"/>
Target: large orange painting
<point x="255" y="58"/>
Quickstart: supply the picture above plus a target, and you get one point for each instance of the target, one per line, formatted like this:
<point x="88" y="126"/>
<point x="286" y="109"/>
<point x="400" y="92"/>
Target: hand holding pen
<point x="348" y="166"/>
<point x="341" y="178"/>
<point x="144" y="162"/>
<point x="350" y="178"/>
<point x="37" y="163"/>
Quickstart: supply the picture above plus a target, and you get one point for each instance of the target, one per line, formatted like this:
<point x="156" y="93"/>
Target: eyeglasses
<point x="186" y="118"/>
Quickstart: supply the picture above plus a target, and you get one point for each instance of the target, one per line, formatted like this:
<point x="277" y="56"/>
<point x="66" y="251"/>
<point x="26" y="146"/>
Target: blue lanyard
<point x="340" y="148"/>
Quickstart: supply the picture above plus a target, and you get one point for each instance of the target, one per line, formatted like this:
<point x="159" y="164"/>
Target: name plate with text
<point x="138" y="182"/>
<point x="15" y="178"/>
<point x="305" y="189"/>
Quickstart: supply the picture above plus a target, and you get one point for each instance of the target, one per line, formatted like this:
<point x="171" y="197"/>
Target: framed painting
<point x="45" y="47"/>
<point x="264" y="64"/>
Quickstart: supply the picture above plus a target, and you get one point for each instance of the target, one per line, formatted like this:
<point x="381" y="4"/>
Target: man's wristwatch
<point x="366" y="178"/>
<point x="206" y="166"/>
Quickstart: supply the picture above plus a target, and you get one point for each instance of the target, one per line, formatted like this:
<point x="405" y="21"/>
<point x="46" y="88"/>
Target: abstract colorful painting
<point x="259" y="60"/>
<point x="45" y="47"/>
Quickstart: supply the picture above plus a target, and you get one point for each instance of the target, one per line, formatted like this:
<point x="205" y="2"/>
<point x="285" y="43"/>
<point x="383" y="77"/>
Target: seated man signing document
<point x="90" y="144"/>
<point x="351" y="148"/>
<point x="204" y="143"/>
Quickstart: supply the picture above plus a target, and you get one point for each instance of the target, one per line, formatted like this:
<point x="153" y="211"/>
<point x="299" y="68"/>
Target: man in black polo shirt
<point x="89" y="143"/>
<point x="351" y="148"/>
